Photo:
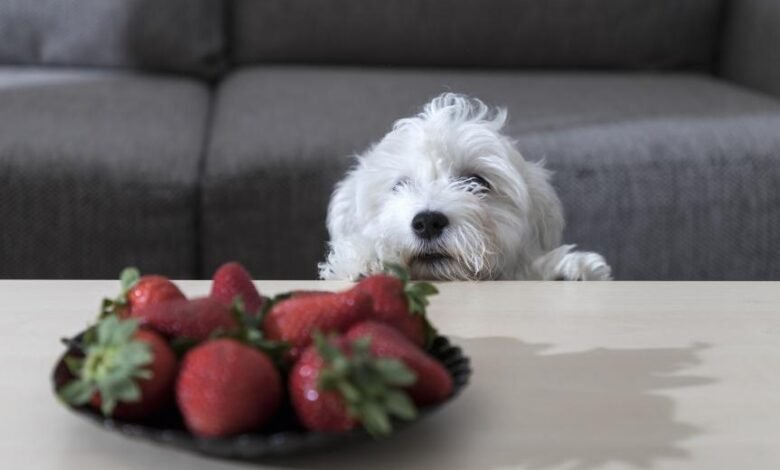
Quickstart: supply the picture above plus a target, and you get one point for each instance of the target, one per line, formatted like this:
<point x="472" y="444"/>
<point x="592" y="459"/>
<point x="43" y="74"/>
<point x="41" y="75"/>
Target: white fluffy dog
<point x="448" y="196"/>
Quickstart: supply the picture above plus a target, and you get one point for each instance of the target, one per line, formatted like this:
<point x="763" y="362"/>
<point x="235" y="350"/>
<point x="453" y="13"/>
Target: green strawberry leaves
<point x="417" y="297"/>
<point x="418" y="294"/>
<point x="398" y="271"/>
<point x="113" y="331"/>
<point x="128" y="279"/>
<point x="399" y="404"/>
<point x="371" y="387"/>
<point x="77" y="392"/>
<point x="249" y="331"/>
<point x="395" y="373"/>
<point x="113" y="362"/>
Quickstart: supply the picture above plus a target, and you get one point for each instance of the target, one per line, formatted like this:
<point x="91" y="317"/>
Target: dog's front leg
<point x="349" y="259"/>
<point x="563" y="263"/>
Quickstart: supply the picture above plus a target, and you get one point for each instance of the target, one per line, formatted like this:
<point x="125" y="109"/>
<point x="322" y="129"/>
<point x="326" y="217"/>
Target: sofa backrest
<point x="633" y="34"/>
<point x="181" y="36"/>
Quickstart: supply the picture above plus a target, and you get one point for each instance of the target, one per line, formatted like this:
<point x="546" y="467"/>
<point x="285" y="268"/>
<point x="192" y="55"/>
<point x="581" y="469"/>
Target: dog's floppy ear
<point x="345" y="259"/>
<point x="342" y="208"/>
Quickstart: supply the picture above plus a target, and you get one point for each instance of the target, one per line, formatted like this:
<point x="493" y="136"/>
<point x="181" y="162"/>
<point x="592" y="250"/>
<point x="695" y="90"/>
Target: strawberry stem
<point x="128" y="279"/>
<point x="249" y="331"/>
<point x="371" y="387"/>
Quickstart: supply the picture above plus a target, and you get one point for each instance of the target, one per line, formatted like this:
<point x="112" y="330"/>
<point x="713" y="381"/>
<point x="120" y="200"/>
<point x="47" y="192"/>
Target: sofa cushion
<point x="98" y="171"/>
<point x="669" y="176"/>
<point x="183" y="36"/>
<point x="752" y="44"/>
<point x="517" y="33"/>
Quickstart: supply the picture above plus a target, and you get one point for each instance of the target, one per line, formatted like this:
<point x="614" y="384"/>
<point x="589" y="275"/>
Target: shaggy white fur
<point x="497" y="216"/>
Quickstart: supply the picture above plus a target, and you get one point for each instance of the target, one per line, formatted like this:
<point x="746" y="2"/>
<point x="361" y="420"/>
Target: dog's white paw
<point x="583" y="266"/>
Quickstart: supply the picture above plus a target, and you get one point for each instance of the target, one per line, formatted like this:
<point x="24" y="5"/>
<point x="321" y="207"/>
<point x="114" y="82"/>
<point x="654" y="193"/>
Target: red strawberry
<point x="318" y="410"/>
<point x="400" y="304"/>
<point x="295" y="319"/>
<point x="307" y="293"/>
<point x="226" y="387"/>
<point x="434" y="383"/>
<point x="139" y="291"/>
<point x="336" y="385"/>
<point x="194" y="319"/>
<point x="151" y="290"/>
<point x="126" y="372"/>
<point x="230" y="281"/>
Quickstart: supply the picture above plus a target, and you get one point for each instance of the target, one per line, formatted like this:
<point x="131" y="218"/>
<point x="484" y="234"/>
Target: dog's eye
<point x="475" y="184"/>
<point x="400" y="183"/>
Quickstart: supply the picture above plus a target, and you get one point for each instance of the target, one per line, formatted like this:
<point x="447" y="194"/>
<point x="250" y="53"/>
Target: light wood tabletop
<point x="566" y="375"/>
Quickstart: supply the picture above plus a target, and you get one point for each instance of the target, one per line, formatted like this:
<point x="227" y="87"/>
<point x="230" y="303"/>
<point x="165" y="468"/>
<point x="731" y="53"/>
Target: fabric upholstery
<point x="657" y="34"/>
<point x="183" y="36"/>
<point x="751" y="53"/>
<point x="669" y="176"/>
<point x="98" y="171"/>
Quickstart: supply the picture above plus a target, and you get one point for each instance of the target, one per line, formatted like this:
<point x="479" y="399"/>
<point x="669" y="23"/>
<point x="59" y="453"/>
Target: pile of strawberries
<point x="229" y="361"/>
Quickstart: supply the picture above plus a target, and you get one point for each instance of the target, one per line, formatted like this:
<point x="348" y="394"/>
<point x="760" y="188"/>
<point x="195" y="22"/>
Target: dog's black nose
<point x="429" y="225"/>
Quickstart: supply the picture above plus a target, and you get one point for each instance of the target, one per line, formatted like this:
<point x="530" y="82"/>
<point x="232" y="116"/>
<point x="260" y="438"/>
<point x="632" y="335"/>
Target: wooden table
<point x="567" y="375"/>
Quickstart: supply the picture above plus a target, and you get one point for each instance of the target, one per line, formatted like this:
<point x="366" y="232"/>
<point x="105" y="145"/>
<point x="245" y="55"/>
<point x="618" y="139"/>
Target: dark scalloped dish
<point x="283" y="436"/>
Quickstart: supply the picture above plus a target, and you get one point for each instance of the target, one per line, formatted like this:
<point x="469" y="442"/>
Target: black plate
<point x="283" y="436"/>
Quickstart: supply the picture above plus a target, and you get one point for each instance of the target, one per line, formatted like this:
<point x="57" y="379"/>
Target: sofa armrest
<point x="751" y="45"/>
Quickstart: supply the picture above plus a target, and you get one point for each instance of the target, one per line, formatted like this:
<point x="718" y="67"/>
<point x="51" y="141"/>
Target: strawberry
<point x="139" y="291"/>
<point x="307" y="293"/>
<point x="194" y="319"/>
<point x="226" y="387"/>
<point x="434" y="383"/>
<point x="317" y="409"/>
<point x="294" y="319"/>
<point x="126" y="372"/>
<point x="232" y="280"/>
<point x="337" y="384"/>
<point x="400" y="304"/>
<point x="152" y="290"/>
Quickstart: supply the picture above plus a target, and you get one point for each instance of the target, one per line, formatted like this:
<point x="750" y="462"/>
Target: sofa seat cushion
<point x="669" y="176"/>
<point x="97" y="171"/>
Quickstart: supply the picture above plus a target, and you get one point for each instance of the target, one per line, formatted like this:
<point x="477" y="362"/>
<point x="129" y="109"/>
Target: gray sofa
<point x="177" y="134"/>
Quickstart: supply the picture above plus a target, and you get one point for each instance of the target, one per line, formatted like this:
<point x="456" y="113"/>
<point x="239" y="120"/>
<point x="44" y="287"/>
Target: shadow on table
<point x="538" y="410"/>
